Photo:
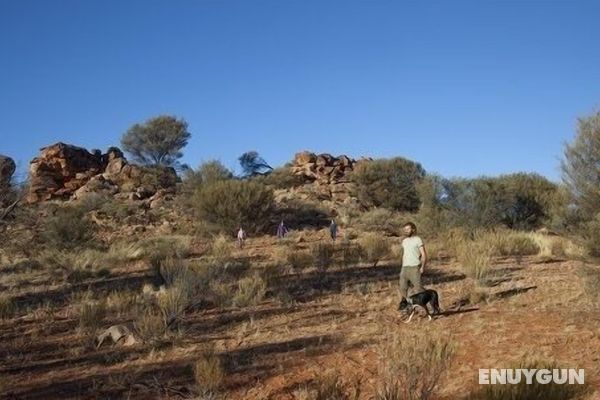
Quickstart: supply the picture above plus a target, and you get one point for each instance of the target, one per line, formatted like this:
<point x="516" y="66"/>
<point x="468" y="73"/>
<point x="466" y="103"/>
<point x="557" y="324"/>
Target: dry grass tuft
<point x="475" y="259"/>
<point x="91" y="315"/>
<point x="322" y="255"/>
<point x="209" y="373"/>
<point x="374" y="247"/>
<point x="250" y="291"/>
<point x="7" y="306"/>
<point x="412" y="365"/>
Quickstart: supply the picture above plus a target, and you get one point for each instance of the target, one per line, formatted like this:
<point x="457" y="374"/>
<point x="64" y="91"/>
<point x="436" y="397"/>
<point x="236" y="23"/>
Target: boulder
<point x="64" y="171"/>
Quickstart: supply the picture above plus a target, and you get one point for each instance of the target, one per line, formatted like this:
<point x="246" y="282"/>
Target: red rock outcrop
<point x="64" y="171"/>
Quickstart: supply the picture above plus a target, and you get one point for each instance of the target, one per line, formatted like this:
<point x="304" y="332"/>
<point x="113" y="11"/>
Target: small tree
<point x="581" y="165"/>
<point x="253" y="164"/>
<point x="158" y="141"/>
<point x="389" y="183"/>
<point x="232" y="203"/>
<point x="207" y="173"/>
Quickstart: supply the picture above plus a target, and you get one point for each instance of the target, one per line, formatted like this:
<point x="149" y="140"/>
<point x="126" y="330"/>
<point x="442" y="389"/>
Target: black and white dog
<point x="421" y="299"/>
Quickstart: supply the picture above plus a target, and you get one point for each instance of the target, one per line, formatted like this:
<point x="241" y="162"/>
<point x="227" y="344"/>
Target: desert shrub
<point x="475" y="258"/>
<point x="322" y="255"/>
<point x="590" y="233"/>
<point x="173" y="304"/>
<point x="150" y="325"/>
<point x="412" y="365"/>
<point x="67" y="229"/>
<point x="75" y="267"/>
<point x="350" y="253"/>
<point x="389" y="183"/>
<point x="533" y="391"/>
<point x="580" y="167"/>
<point x="7" y="306"/>
<point x="232" y="203"/>
<point x="91" y="315"/>
<point x="509" y="243"/>
<point x="472" y="292"/>
<point x="207" y="173"/>
<point x="374" y="247"/>
<point x="124" y="302"/>
<point x="160" y="247"/>
<point x="299" y="259"/>
<point x="299" y="214"/>
<point x="380" y="220"/>
<point x="173" y="270"/>
<point x="591" y="282"/>
<point x="250" y="291"/>
<point x="331" y="387"/>
<point x="221" y="249"/>
<point x="209" y="373"/>
<point x="283" y="178"/>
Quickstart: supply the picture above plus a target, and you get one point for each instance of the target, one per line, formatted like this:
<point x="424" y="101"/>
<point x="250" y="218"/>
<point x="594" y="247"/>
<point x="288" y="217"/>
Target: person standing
<point x="414" y="260"/>
<point x="241" y="237"/>
<point x="333" y="230"/>
<point x="281" y="230"/>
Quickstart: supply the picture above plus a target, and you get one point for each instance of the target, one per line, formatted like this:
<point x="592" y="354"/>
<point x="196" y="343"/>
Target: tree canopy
<point x="157" y="141"/>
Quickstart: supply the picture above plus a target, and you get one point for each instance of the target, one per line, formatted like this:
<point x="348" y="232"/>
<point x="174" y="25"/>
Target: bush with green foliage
<point x="207" y="173"/>
<point x="581" y="165"/>
<point x="517" y="201"/>
<point x="157" y="141"/>
<point x="68" y="228"/>
<point x="234" y="203"/>
<point x="374" y="247"/>
<point x="389" y="183"/>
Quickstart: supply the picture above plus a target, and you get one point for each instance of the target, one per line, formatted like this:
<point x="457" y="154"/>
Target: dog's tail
<point x="435" y="303"/>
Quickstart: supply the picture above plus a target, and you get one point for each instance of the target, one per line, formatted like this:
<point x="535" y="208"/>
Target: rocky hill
<point x="64" y="171"/>
<point x="325" y="179"/>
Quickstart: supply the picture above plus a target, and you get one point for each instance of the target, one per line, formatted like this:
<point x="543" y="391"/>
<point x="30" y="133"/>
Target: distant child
<point x="241" y="237"/>
<point x="333" y="230"/>
<point x="281" y="230"/>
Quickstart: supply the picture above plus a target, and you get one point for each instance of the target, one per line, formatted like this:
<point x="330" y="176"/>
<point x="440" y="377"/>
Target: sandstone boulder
<point x="64" y="171"/>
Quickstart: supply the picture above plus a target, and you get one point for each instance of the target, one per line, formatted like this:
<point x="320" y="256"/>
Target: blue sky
<point x="464" y="87"/>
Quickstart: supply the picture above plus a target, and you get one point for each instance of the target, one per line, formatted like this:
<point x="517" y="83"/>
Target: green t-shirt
<point x="412" y="251"/>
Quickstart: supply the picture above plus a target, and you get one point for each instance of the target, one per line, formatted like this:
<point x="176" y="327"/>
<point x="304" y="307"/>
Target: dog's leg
<point x="429" y="316"/>
<point x="410" y="317"/>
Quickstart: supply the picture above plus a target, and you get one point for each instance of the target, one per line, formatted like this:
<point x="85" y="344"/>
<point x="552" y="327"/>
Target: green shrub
<point x="380" y="220"/>
<point x="374" y="247"/>
<point x="67" y="229"/>
<point x="233" y="203"/>
<point x="283" y="178"/>
<point x="173" y="304"/>
<point x="389" y="183"/>
<point x="250" y="291"/>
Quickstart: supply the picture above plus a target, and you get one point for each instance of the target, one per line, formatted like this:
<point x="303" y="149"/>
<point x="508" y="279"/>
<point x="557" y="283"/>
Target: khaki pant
<point x="410" y="275"/>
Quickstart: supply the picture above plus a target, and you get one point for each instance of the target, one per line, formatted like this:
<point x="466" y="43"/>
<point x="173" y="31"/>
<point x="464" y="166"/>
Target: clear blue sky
<point x="464" y="87"/>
